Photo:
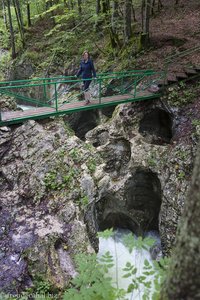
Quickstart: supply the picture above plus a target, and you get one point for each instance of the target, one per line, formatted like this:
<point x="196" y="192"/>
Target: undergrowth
<point x="93" y="281"/>
<point x="182" y="94"/>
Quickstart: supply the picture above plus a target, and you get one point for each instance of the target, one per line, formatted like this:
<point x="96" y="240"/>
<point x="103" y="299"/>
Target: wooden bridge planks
<point x="45" y="111"/>
<point x="10" y="115"/>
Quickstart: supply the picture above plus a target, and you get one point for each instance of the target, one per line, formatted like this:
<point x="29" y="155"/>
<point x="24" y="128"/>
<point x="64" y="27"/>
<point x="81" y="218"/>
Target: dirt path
<point x="173" y="30"/>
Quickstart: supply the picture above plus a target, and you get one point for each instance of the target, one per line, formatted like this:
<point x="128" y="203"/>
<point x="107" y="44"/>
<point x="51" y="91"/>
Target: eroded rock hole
<point x="82" y="122"/>
<point x="143" y="196"/>
<point x="101" y="138"/>
<point x="156" y="127"/>
<point x="118" y="220"/>
<point x="108" y="111"/>
<point x="136" y="209"/>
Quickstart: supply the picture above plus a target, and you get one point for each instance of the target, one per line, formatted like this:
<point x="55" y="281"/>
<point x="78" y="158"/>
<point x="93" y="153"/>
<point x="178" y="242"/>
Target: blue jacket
<point x="86" y="69"/>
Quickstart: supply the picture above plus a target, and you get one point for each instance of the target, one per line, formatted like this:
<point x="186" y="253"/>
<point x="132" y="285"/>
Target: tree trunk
<point x="127" y="20"/>
<point x="115" y="23"/>
<point x="133" y="12"/>
<point x="49" y="3"/>
<point x="115" y="15"/>
<point x="71" y="4"/>
<point x="105" y="6"/>
<point x="12" y="37"/>
<point x="28" y="14"/>
<point x="184" y="274"/>
<point x="146" y="19"/>
<point x="4" y="13"/>
<point x="80" y="8"/>
<point x="153" y="4"/>
<point x="98" y="7"/>
<point x="19" y="19"/>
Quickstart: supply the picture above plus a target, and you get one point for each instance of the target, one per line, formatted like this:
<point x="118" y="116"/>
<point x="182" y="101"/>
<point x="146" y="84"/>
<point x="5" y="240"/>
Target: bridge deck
<point x="12" y="117"/>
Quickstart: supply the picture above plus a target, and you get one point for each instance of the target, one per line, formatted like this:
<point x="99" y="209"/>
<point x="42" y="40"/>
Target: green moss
<point x="30" y="55"/>
<point x="91" y="164"/>
<point x="182" y="94"/>
<point x="59" y="179"/>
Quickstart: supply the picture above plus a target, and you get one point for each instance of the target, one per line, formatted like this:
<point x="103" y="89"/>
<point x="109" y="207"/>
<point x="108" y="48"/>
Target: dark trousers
<point x="86" y="84"/>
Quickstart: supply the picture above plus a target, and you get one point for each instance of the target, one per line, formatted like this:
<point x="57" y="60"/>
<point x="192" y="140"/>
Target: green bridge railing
<point x="56" y="91"/>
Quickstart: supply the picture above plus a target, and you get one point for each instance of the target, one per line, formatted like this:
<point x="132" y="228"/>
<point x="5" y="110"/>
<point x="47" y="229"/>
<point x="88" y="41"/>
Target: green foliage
<point x="91" y="164"/>
<point x="55" y="180"/>
<point x="84" y="201"/>
<point x="4" y="296"/>
<point x="4" y="36"/>
<point x="152" y="275"/>
<point x="196" y="122"/>
<point x="182" y="154"/>
<point x="88" y="146"/>
<point x="131" y="242"/>
<point x="42" y="286"/>
<point x="30" y="55"/>
<point x="152" y="160"/>
<point x="181" y="175"/>
<point x="75" y="155"/>
<point x="106" y="261"/>
<point x="181" y="95"/>
<point x="90" y="283"/>
<point x="106" y="234"/>
<point x="4" y="62"/>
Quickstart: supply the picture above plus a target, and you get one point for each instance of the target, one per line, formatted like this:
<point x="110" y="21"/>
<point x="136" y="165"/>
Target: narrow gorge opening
<point x="144" y="197"/>
<point x="136" y="216"/>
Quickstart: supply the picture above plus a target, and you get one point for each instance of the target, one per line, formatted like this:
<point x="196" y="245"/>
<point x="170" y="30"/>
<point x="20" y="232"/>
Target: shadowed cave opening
<point x="139" y="210"/>
<point x="118" y="220"/>
<point x="82" y="122"/>
<point x="156" y="127"/>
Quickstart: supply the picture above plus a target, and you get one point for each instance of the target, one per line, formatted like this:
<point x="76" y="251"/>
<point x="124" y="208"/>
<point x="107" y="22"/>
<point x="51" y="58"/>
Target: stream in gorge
<point x="121" y="256"/>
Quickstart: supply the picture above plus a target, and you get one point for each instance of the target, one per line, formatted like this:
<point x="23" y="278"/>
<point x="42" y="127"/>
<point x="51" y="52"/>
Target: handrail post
<point x="56" y="98"/>
<point x="45" y="90"/>
<point x="0" y="116"/>
<point x="135" y="85"/>
<point x="99" y="90"/>
<point x="122" y="84"/>
<point x="166" y="67"/>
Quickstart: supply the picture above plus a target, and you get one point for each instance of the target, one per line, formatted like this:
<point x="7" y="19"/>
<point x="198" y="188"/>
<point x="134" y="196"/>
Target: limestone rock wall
<point x="145" y="178"/>
<point x="45" y="184"/>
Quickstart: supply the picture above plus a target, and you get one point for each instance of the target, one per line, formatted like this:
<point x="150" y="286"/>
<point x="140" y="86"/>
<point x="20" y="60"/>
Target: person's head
<point x="86" y="55"/>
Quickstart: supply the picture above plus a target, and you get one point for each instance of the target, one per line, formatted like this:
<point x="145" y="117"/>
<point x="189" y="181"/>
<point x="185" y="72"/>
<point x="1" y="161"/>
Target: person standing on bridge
<point x="86" y="70"/>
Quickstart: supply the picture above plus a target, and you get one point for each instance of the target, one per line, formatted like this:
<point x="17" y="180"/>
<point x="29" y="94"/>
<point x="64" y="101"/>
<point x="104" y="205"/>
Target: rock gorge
<point x="56" y="190"/>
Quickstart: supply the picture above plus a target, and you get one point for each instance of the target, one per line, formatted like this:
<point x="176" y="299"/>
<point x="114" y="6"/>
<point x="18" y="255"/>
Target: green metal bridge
<point x="63" y="95"/>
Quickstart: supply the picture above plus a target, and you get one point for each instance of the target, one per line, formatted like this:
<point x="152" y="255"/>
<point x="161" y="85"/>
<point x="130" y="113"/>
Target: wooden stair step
<point x="181" y="75"/>
<point x="197" y="68"/>
<point x="190" y="71"/>
<point x="171" y="78"/>
<point x="162" y="82"/>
